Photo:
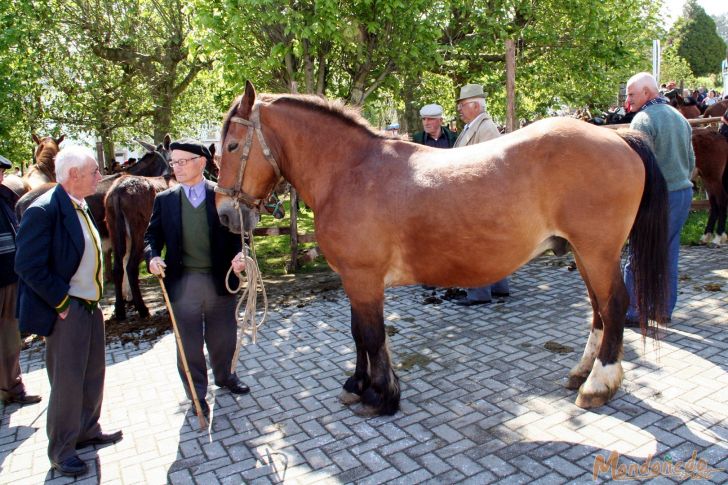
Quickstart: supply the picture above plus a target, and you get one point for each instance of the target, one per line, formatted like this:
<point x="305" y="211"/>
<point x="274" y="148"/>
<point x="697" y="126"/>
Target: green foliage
<point x="21" y="23"/>
<point x="694" y="227"/>
<point x="675" y="68"/>
<point x="695" y="38"/>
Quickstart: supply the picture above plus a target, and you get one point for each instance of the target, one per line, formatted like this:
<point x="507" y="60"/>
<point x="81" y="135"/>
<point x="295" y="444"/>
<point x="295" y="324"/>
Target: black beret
<point x="192" y="146"/>
<point x="5" y="163"/>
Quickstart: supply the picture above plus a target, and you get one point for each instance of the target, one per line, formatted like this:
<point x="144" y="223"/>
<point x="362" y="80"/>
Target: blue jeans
<point x="483" y="293"/>
<point x="677" y="213"/>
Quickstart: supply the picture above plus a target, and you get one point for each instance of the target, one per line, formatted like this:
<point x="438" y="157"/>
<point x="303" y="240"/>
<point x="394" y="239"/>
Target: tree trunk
<point x="410" y="119"/>
<point x="107" y="142"/>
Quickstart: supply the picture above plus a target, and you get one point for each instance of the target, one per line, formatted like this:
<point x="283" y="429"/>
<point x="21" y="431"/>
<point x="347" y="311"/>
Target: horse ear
<point x="246" y="103"/>
<point x="212" y="150"/>
<point x="147" y="146"/>
<point x="167" y="141"/>
<point x="60" y="139"/>
<point x="35" y="139"/>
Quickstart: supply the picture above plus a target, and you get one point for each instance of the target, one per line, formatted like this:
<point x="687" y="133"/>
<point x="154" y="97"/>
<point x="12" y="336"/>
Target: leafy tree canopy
<point x="695" y="38"/>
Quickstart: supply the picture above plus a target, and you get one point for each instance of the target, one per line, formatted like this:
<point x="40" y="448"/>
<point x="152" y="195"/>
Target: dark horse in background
<point x="711" y="162"/>
<point x="382" y="218"/>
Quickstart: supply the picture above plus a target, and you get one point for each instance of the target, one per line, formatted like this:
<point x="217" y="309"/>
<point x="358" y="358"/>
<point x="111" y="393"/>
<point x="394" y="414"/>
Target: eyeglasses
<point x="463" y="103"/>
<point x="182" y="162"/>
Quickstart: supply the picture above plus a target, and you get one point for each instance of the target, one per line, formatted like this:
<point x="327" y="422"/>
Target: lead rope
<point x="247" y="319"/>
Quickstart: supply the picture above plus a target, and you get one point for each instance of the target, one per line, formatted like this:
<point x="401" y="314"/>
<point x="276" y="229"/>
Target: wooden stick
<point x="180" y="347"/>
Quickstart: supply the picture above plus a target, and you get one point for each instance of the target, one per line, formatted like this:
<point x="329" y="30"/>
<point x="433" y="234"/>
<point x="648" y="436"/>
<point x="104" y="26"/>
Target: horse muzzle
<point x="237" y="217"/>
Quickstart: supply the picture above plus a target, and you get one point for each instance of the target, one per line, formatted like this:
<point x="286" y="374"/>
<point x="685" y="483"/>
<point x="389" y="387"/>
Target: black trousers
<point x="204" y="318"/>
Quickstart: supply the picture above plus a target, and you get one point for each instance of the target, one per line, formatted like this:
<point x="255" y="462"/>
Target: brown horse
<point x="688" y="109"/>
<point x="711" y="162"/>
<point x="382" y="217"/>
<point x="717" y="109"/>
<point x="44" y="168"/>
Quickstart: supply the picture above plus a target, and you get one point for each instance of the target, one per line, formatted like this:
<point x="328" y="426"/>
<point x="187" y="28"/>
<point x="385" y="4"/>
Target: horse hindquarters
<point x="128" y="210"/>
<point x="374" y="382"/>
<point x="600" y="369"/>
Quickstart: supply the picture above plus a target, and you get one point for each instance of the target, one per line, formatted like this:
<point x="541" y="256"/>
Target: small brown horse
<point x="688" y="109"/>
<point x="711" y="162"/>
<point x="382" y="217"/>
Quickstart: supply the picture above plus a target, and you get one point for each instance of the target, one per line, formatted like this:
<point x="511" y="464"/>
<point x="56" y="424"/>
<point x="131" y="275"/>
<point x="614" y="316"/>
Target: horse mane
<point x="333" y="108"/>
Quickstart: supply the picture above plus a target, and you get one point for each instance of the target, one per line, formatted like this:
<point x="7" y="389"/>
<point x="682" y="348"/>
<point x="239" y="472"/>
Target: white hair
<point x="481" y="102"/>
<point x="73" y="156"/>
<point x="644" y="79"/>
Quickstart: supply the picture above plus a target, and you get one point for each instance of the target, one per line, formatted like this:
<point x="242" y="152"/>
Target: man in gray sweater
<point x="671" y="136"/>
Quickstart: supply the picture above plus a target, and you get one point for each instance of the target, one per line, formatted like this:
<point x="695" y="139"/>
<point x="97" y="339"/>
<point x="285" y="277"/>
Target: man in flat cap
<point x="434" y="134"/>
<point x="199" y="252"/>
<point x="479" y="127"/>
<point x="12" y="389"/>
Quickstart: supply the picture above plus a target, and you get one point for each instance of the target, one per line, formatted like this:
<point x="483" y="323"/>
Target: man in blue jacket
<point x="59" y="263"/>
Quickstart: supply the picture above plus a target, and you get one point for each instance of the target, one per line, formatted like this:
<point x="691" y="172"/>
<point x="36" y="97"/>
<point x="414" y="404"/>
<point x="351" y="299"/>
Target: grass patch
<point x="693" y="229"/>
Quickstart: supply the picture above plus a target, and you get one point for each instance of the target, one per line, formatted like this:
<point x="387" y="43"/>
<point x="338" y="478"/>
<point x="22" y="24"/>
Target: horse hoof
<point x="346" y="398"/>
<point x="591" y="401"/>
<point x="575" y="382"/>
<point x="364" y="411"/>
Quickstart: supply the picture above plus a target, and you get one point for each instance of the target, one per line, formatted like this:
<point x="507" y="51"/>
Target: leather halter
<point x="252" y="125"/>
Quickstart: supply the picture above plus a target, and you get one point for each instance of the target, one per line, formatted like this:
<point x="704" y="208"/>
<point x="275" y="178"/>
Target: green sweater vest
<point x="195" y="238"/>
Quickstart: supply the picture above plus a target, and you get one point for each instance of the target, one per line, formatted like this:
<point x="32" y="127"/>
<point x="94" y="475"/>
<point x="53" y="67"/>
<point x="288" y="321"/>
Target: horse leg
<point x="374" y="379"/>
<point x="712" y="217"/>
<point x="118" y="275"/>
<point x="579" y="373"/>
<point x="136" y="253"/>
<point x="722" y="203"/>
<point x="605" y="279"/>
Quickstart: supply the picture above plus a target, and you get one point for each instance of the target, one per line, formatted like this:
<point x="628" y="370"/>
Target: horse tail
<point x="648" y="238"/>
<point x="116" y="222"/>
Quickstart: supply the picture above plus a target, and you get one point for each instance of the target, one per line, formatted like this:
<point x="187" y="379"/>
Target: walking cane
<point x="180" y="347"/>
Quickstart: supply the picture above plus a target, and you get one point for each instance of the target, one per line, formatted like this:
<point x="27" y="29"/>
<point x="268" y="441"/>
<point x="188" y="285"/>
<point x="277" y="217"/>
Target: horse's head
<point x="46" y="148"/>
<point x="248" y="168"/>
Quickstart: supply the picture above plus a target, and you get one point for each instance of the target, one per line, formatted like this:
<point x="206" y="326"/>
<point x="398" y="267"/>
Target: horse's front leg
<point x="374" y="380"/>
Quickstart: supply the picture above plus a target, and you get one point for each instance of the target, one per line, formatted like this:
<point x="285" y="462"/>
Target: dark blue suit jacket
<point x="165" y="229"/>
<point x="49" y="250"/>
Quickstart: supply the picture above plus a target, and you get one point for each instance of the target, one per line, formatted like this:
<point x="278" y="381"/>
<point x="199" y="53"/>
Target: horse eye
<point x="232" y="146"/>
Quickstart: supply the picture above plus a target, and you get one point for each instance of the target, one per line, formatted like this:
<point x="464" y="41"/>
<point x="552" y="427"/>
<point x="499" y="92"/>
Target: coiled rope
<point x="253" y="280"/>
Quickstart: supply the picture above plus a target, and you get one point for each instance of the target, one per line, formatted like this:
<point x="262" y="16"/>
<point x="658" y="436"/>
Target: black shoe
<point x="467" y="302"/>
<point x="503" y="294"/>
<point x="102" y="439"/>
<point x="71" y="467"/>
<point x="22" y="399"/>
<point x="631" y="323"/>
<point x="235" y="386"/>
<point x="205" y="409"/>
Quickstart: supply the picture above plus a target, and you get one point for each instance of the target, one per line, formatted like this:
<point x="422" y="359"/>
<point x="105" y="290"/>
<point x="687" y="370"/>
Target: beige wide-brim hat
<point x="471" y="91"/>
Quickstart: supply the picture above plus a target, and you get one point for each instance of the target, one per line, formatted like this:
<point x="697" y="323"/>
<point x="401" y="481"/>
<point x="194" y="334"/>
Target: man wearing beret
<point x="434" y="134"/>
<point x="12" y="389"/>
<point x="199" y="252"/>
<point x="479" y="127"/>
<point x="60" y="266"/>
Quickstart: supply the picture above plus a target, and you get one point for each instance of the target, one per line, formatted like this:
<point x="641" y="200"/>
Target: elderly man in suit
<point x="59" y="263"/>
<point x="199" y="252"/>
<point x="479" y="127"/>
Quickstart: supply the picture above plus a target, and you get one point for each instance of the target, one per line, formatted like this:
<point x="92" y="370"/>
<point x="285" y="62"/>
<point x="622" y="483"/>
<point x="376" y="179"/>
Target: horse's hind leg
<point x="605" y="279"/>
<point x="374" y="379"/>
<point x="579" y="373"/>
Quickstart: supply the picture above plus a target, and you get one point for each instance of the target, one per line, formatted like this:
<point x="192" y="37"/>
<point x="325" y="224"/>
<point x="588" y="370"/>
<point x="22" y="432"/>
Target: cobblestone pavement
<point x="482" y="396"/>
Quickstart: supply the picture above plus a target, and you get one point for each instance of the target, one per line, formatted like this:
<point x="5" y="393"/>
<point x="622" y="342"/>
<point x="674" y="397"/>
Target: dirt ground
<point x="289" y="290"/>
